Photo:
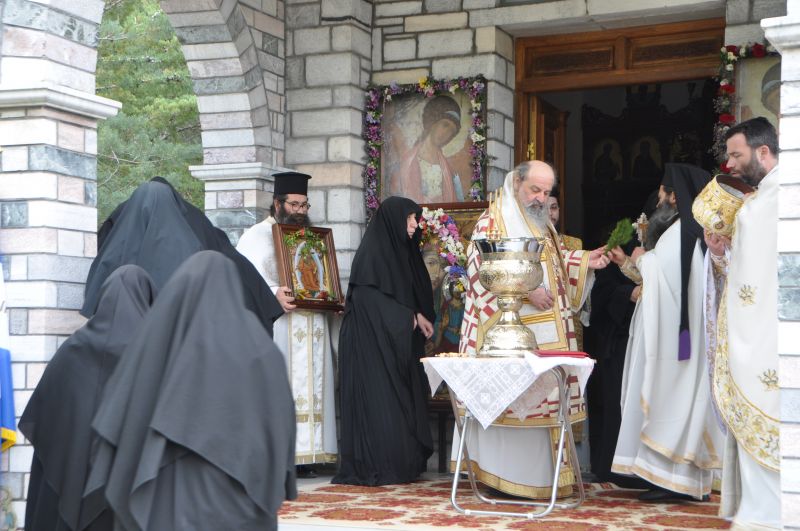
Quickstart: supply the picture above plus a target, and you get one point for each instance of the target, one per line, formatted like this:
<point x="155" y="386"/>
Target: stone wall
<point x="743" y="18"/>
<point x="415" y="39"/>
<point x="784" y="33"/>
<point x="327" y="69"/>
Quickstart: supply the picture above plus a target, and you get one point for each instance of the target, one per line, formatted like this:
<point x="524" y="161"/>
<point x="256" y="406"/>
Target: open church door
<point x="546" y="140"/>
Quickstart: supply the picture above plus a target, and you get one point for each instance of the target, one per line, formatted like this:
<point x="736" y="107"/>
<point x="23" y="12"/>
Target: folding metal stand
<point x="565" y="436"/>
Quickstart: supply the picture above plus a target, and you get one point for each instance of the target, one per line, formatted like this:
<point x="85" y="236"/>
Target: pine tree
<point x="157" y="131"/>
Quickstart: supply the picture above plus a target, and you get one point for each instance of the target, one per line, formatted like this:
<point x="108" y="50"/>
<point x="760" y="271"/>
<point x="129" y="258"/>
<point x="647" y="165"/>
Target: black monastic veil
<point x="196" y="427"/>
<point x="385" y="437"/>
<point x="687" y="181"/>
<point x="57" y="420"/>
<point x="158" y="230"/>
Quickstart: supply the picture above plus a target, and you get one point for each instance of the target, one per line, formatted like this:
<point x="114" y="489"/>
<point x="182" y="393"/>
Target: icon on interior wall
<point x="607" y="165"/>
<point x="647" y="163"/>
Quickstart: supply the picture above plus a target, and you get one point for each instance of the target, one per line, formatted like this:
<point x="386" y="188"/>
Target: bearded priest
<point x="668" y="434"/>
<point x="513" y="460"/>
<point x="745" y="358"/>
<point x="302" y="335"/>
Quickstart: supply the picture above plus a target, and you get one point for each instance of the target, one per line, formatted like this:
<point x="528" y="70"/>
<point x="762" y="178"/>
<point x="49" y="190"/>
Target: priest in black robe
<point x="196" y="427"/>
<point x="158" y="230"/>
<point x="57" y="420"/>
<point x="385" y="436"/>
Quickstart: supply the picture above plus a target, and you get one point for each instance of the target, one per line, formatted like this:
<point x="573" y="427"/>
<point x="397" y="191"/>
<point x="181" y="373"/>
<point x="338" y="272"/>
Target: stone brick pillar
<point x="237" y="195"/>
<point x="784" y="34"/>
<point x="48" y="189"/>
<point x="327" y="68"/>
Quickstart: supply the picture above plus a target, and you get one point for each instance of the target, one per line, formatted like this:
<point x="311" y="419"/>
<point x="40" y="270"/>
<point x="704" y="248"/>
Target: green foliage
<point x="313" y="242"/>
<point x="157" y="131"/>
<point x="622" y="234"/>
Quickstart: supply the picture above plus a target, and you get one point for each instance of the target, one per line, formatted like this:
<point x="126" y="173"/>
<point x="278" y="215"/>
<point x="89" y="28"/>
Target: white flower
<point x="729" y="67"/>
<point x="731" y="56"/>
<point x="453" y="89"/>
<point x="723" y="49"/>
<point x="723" y="82"/>
<point x="743" y="51"/>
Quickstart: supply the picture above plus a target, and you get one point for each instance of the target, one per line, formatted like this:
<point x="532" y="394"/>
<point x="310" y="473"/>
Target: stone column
<point x="48" y="189"/>
<point x="327" y="69"/>
<point x="784" y="34"/>
<point x="237" y="195"/>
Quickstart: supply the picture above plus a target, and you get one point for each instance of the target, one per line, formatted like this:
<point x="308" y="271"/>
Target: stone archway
<point x="236" y="56"/>
<point x="48" y="131"/>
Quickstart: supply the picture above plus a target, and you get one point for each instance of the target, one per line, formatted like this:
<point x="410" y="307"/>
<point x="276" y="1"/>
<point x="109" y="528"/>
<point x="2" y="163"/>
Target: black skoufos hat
<point x="291" y="182"/>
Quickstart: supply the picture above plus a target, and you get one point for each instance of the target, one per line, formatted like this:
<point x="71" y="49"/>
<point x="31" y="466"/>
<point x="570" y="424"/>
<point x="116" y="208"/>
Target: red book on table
<point x="565" y="353"/>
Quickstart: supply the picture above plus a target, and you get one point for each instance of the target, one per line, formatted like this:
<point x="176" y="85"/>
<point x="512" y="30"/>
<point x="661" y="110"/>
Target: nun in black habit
<point x="196" y="428"/>
<point x="385" y="437"/>
<point x="57" y="420"/>
<point x="157" y="229"/>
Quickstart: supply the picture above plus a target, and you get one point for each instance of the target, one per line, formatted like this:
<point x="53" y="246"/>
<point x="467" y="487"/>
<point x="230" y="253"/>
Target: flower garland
<point x="436" y="225"/>
<point x="377" y="96"/>
<point x="726" y="99"/>
<point x="313" y="242"/>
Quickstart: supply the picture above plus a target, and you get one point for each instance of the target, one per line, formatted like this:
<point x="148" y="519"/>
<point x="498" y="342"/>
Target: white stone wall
<point x="743" y="18"/>
<point x="784" y="33"/>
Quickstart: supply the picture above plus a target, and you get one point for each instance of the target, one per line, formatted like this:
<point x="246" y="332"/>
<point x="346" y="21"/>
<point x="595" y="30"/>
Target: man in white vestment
<point x="302" y="335"/>
<point x="745" y="362"/>
<point x="668" y="435"/>
<point x="504" y="456"/>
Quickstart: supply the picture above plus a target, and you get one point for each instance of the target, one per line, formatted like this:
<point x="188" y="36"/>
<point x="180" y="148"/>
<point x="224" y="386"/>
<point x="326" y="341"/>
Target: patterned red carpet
<point x="425" y="505"/>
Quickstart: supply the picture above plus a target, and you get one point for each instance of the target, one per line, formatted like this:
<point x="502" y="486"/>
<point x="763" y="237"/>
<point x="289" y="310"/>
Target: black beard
<point x="660" y="220"/>
<point x="297" y="218"/>
<point x="753" y="172"/>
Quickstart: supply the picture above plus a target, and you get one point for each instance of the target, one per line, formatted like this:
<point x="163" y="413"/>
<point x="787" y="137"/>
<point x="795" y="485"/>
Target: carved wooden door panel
<point x="547" y="133"/>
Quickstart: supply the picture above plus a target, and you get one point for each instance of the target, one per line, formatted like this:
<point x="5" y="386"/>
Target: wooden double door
<point x="623" y="57"/>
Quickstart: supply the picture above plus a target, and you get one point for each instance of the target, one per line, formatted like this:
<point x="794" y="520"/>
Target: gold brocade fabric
<point x="755" y="431"/>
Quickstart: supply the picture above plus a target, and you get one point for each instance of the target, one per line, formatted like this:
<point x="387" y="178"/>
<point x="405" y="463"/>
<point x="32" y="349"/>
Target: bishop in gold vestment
<point x="520" y="461"/>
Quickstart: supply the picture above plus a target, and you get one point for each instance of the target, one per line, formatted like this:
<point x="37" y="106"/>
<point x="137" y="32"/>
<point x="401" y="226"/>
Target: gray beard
<point x="538" y="215"/>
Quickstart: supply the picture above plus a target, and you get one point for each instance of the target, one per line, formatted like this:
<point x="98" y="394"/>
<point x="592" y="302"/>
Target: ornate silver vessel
<point x="510" y="268"/>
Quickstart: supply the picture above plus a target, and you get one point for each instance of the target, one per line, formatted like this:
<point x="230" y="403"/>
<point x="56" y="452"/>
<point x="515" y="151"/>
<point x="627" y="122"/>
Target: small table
<point x="489" y="386"/>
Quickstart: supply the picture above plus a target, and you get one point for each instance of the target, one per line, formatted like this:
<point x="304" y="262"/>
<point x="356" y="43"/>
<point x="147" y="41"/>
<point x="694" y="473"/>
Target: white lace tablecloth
<point x="490" y="386"/>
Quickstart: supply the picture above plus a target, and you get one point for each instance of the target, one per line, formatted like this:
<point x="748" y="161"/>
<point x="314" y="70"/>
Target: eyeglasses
<point x="296" y="205"/>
